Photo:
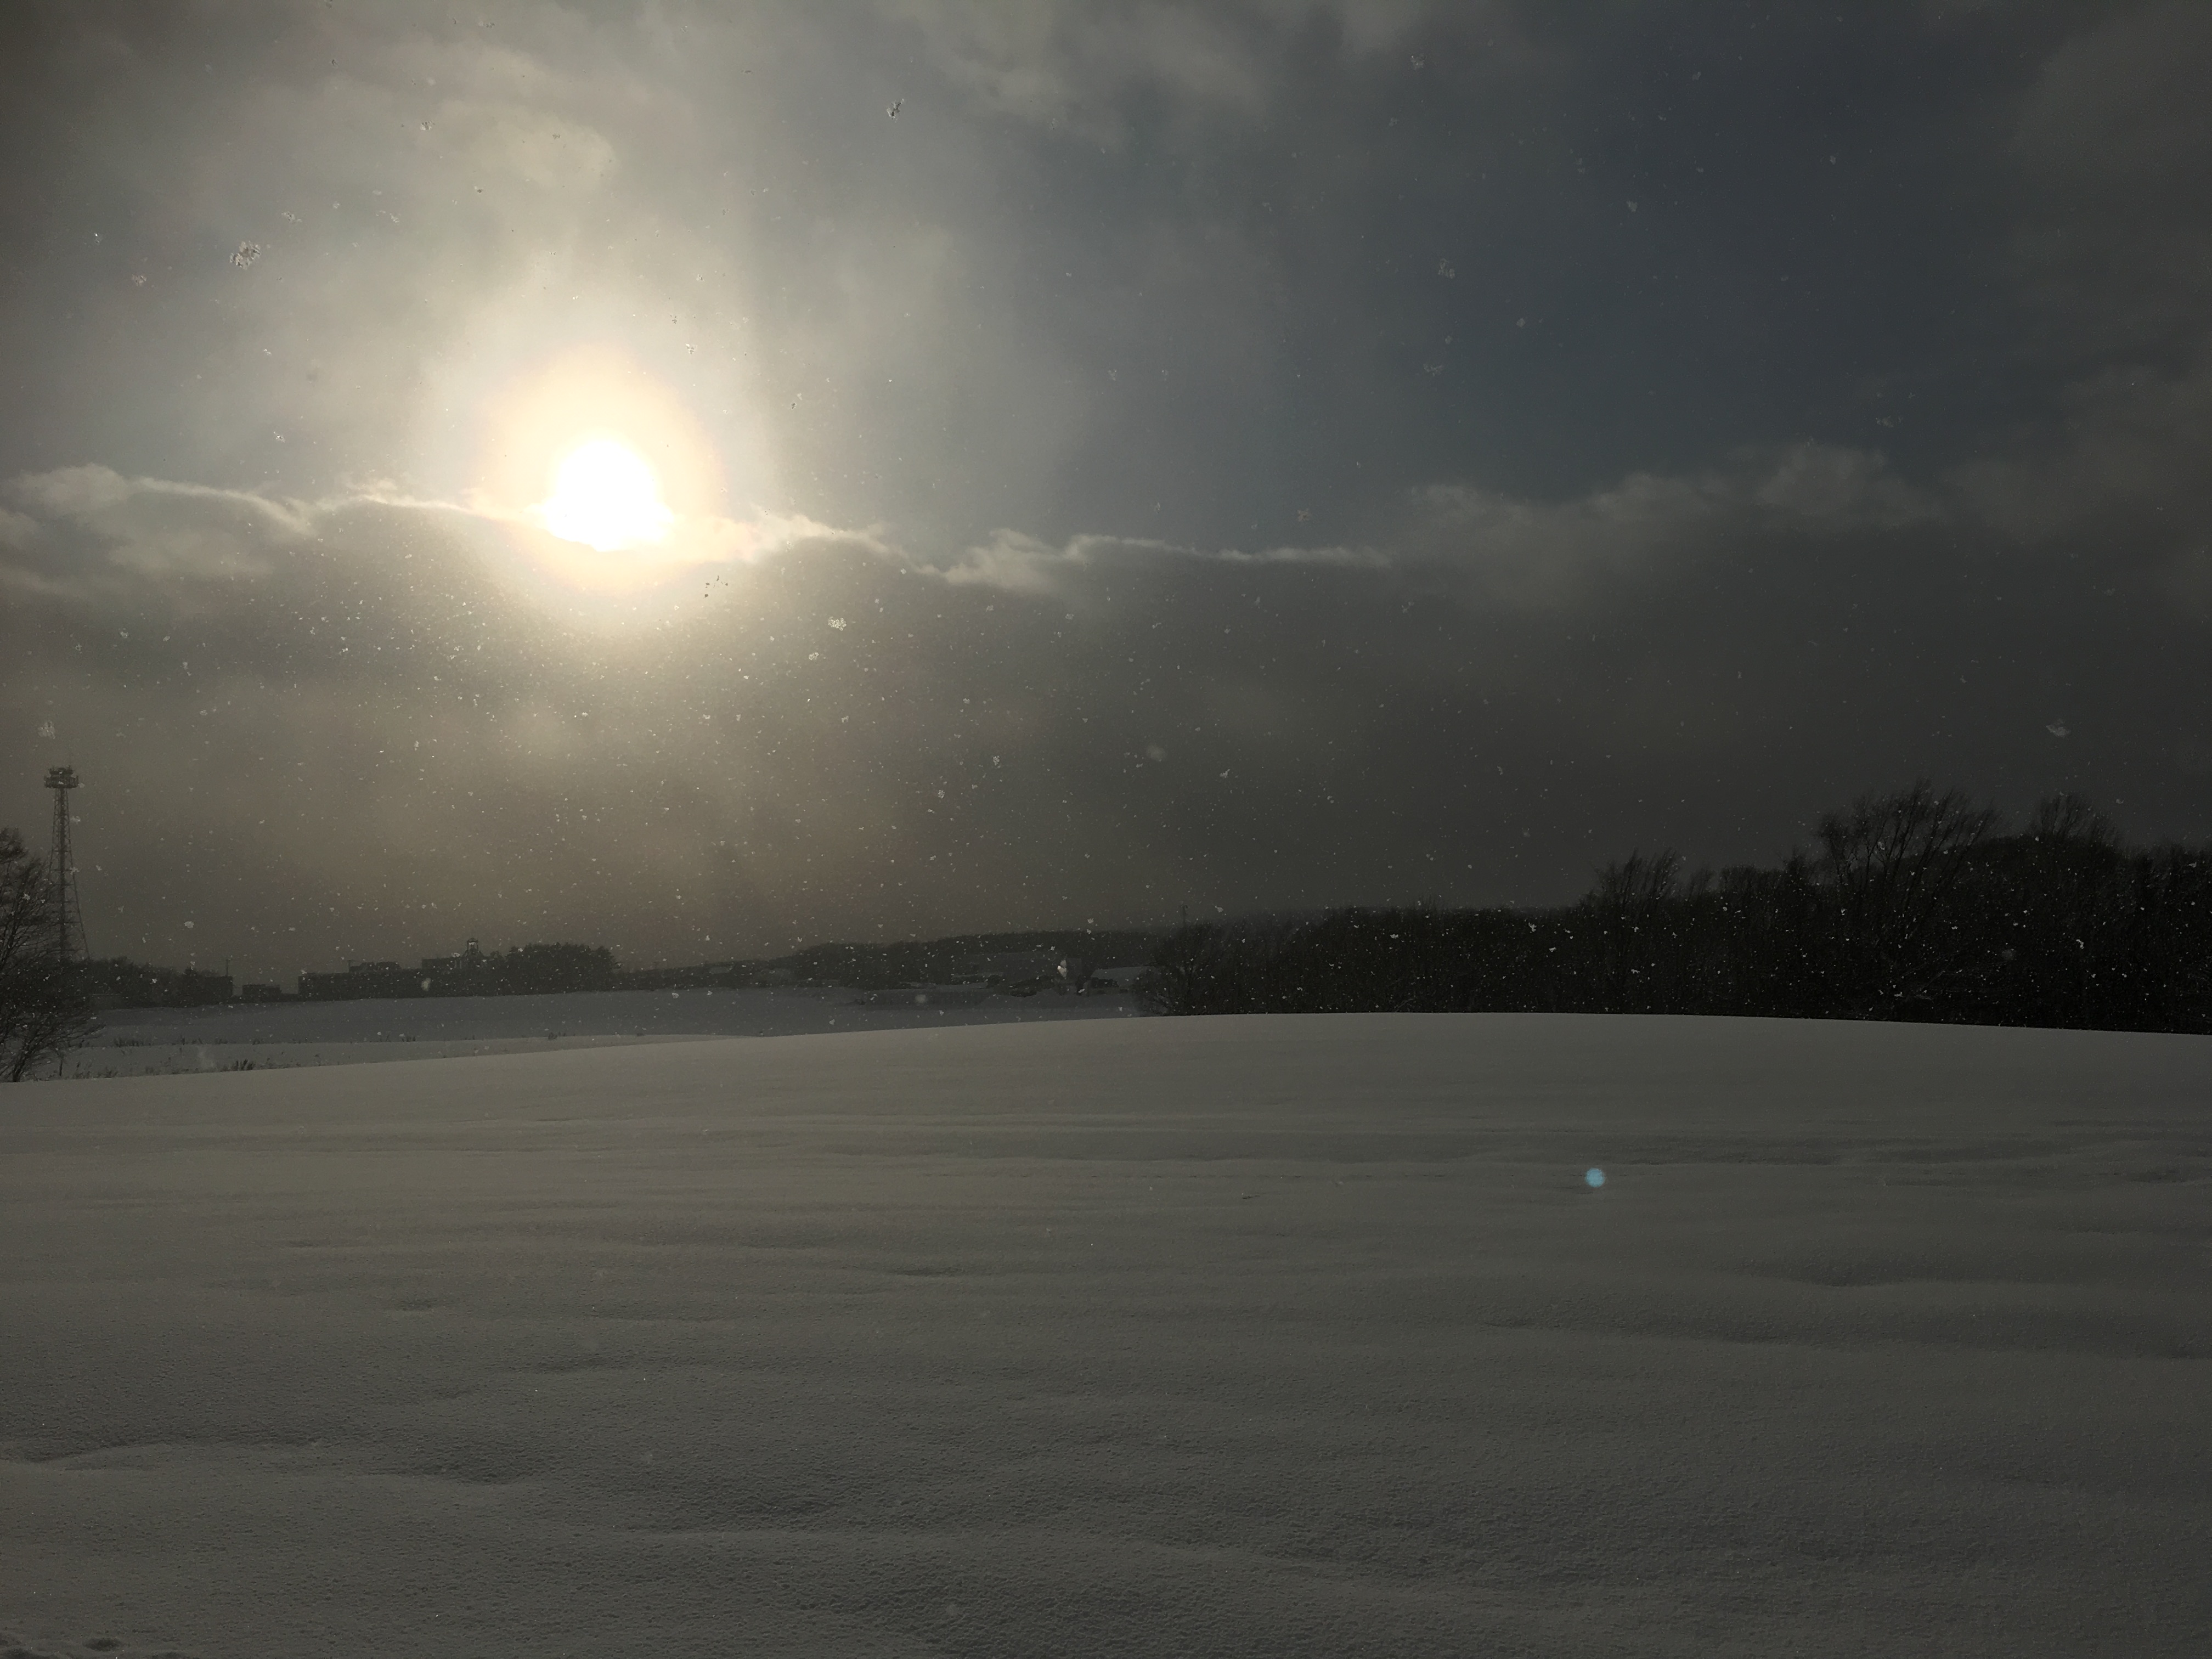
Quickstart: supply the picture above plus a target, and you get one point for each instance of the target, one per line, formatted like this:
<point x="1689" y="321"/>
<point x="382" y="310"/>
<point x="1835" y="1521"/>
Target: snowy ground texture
<point x="1282" y="1336"/>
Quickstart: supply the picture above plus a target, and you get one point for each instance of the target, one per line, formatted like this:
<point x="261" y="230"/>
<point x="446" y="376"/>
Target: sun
<point x="593" y="482"/>
<point x="605" y="496"/>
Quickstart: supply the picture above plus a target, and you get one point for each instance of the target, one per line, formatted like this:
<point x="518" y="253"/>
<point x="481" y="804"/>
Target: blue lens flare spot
<point x="1595" y="1177"/>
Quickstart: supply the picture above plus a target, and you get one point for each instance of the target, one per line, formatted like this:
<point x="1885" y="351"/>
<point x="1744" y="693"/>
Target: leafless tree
<point x="2071" y="818"/>
<point x="1888" y="864"/>
<point x="43" y="1009"/>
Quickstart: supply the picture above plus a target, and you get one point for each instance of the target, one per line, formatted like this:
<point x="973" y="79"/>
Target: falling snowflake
<point x="1417" y="60"/>
<point x="814" y="656"/>
<point x="837" y="623"/>
<point x="1304" y="514"/>
<point x="138" y="281"/>
<point x="289" y="218"/>
<point x="2056" y="728"/>
<point x="46" y="728"/>
<point x="1432" y="368"/>
<point x="247" y="254"/>
<point x="1443" y="269"/>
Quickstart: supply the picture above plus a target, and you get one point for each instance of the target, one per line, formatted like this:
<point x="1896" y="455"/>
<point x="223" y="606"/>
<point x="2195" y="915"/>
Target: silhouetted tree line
<point x="1913" y="906"/>
<point x="527" y="969"/>
<point x="120" y="982"/>
<point x="520" y="970"/>
<point x="44" y="1010"/>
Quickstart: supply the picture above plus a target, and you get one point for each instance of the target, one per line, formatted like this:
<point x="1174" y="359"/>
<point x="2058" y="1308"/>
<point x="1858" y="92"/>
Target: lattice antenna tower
<point x="69" y="912"/>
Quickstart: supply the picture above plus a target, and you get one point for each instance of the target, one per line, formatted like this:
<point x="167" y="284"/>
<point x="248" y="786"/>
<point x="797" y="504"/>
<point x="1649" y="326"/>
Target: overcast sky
<point x="1254" y="453"/>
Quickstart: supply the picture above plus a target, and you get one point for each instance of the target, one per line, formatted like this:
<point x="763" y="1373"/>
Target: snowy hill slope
<point x="1278" y="1336"/>
<point x="257" y="1036"/>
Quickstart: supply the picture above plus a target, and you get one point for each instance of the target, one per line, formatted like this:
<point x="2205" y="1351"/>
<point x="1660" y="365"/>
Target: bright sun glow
<point x="605" y="496"/>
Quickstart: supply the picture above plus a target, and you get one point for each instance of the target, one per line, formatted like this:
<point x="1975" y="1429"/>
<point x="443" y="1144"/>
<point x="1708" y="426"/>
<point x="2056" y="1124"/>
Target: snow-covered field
<point x="238" y="1037"/>
<point x="1284" y="1336"/>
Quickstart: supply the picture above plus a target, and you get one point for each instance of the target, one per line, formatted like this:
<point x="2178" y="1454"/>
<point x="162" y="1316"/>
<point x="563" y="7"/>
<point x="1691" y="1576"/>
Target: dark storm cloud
<point x="1272" y="454"/>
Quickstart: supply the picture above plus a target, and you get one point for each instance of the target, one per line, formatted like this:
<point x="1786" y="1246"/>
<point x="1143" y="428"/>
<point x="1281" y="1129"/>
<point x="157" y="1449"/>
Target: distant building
<point x="196" y="990"/>
<point x="465" y="971"/>
<point x="261" y="993"/>
<point x="362" y="979"/>
<point x="541" y="968"/>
